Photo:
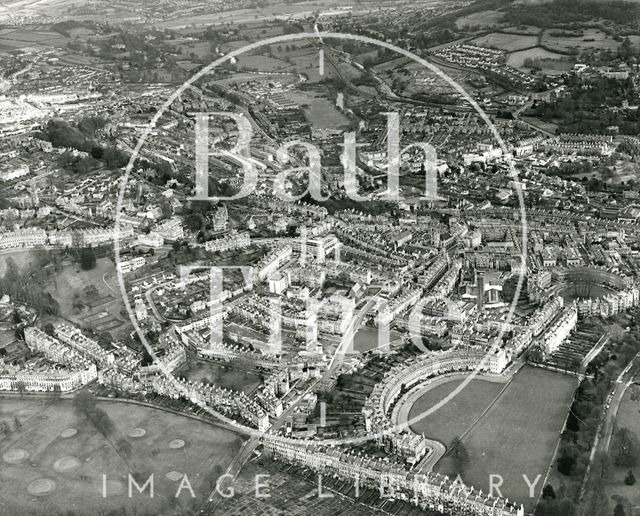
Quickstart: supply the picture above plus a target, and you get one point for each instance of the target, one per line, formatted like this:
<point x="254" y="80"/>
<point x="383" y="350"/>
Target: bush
<point x="630" y="479"/>
<point x="548" y="492"/>
<point x="566" y="465"/>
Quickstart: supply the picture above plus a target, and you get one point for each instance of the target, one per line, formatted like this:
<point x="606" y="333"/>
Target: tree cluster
<point x="563" y="12"/>
<point x="85" y="404"/>
<point x="28" y="287"/>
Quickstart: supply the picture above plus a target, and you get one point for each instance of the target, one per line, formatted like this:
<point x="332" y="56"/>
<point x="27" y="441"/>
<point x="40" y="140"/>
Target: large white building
<point x="14" y="172"/>
<point x="272" y="262"/>
<point x="171" y="229"/>
<point x="96" y="236"/>
<point x="47" y="379"/>
<point x="560" y="330"/>
<point x="317" y="248"/>
<point x="152" y="239"/>
<point x="85" y="346"/>
<point x="131" y="265"/>
<point x="234" y="240"/>
<point x="40" y="342"/>
<point x="30" y="237"/>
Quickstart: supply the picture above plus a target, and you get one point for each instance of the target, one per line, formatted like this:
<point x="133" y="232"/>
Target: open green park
<point x="56" y="461"/>
<point x="507" y="430"/>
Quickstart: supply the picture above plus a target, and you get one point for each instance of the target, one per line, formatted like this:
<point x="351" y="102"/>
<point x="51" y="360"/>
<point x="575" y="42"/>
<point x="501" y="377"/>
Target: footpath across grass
<point x="517" y="436"/>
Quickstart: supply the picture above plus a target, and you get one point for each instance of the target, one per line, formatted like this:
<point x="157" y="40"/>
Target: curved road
<point x="607" y="423"/>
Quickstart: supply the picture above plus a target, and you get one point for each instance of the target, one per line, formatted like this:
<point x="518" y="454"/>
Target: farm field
<point x="80" y="60"/>
<point x="57" y="8"/>
<point x="516" y="436"/>
<point x="296" y="57"/>
<point x="589" y="40"/>
<point x="24" y="39"/>
<point x="482" y="19"/>
<point x="508" y="42"/>
<point x="320" y="111"/>
<point x="306" y="61"/>
<point x="263" y="63"/>
<point x="295" y="11"/>
<point x="248" y="76"/>
<point x="55" y="460"/>
<point x="549" y="60"/>
<point x="228" y="46"/>
<point x="523" y="29"/>
<point x="396" y="62"/>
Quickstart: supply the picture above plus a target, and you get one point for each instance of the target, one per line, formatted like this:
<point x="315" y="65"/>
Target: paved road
<point x="347" y="339"/>
<point x="12" y="250"/>
<point x="622" y="384"/>
<point x="233" y="470"/>
<point x="607" y="423"/>
<point x="593" y="353"/>
<point x="104" y="280"/>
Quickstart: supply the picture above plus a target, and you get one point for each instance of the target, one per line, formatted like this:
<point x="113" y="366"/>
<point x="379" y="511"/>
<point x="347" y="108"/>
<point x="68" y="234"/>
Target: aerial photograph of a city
<point x="319" y="257"/>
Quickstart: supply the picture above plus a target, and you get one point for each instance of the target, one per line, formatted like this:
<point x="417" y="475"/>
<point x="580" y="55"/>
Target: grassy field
<point x="589" y="39"/>
<point x="366" y="339"/>
<point x="545" y="126"/>
<point x="11" y="39"/>
<point x="306" y="61"/>
<point x="523" y="29"/>
<point x="247" y="76"/>
<point x="482" y="19"/>
<point x="550" y="60"/>
<point x="459" y="414"/>
<point x="519" y="434"/>
<point x="73" y="463"/>
<point x="70" y="287"/>
<point x="318" y="110"/>
<point x="516" y="436"/>
<point x="25" y="260"/>
<point x="508" y="42"/>
<point x="218" y="374"/>
<point x="246" y="15"/>
<point x="263" y="63"/>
